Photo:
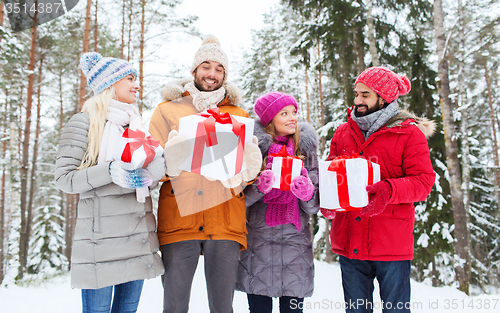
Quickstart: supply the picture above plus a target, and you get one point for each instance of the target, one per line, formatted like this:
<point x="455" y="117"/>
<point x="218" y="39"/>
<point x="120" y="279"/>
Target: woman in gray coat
<point x="115" y="244"/>
<point x="279" y="259"/>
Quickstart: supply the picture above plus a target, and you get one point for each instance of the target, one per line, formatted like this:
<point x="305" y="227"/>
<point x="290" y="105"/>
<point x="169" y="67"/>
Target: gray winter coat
<point x="115" y="237"/>
<point x="279" y="260"/>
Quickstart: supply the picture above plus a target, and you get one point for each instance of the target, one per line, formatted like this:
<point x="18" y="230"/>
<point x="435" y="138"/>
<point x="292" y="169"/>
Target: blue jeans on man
<point x="124" y="300"/>
<point x="394" y="282"/>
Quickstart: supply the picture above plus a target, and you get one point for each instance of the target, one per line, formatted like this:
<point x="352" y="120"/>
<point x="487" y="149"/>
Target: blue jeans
<point x="393" y="278"/>
<point x="125" y="299"/>
<point x="264" y="304"/>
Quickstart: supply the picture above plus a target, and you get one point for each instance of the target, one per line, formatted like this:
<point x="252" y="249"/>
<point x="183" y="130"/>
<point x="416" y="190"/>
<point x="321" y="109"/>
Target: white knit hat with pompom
<point x="210" y="50"/>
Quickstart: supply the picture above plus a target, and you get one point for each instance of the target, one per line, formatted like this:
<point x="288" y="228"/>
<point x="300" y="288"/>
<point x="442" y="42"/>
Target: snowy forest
<point x="311" y="49"/>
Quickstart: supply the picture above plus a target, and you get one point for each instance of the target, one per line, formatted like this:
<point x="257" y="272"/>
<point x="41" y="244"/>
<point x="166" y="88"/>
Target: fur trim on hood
<point x="427" y="127"/>
<point x="308" y="139"/>
<point x="174" y="89"/>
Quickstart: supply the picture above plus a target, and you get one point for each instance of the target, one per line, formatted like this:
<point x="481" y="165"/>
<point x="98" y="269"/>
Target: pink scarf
<point x="282" y="206"/>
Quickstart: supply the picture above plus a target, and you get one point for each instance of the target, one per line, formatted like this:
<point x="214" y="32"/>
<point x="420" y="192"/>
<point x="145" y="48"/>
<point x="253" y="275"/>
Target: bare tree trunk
<point x="35" y="149"/>
<point x="371" y="33"/>
<point x="308" y="109"/>
<point x="86" y="36"/>
<point x="2" y="198"/>
<point x="23" y="170"/>
<point x="141" y="60"/>
<point x="321" y="105"/>
<point x="122" y="45"/>
<point x="328" y="246"/>
<point x="4" y="172"/>
<point x="462" y="235"/>
<point x="130" y="29"/>
<point x="494" y="133"/>
<point x="96" y="29"/>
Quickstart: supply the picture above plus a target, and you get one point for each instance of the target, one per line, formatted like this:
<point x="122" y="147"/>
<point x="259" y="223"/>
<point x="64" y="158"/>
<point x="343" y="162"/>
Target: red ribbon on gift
<point x="136" y="140"/>
<point x="338" y="166"/>
<point x="286" y="168"/>
<point x="206" y="136"/>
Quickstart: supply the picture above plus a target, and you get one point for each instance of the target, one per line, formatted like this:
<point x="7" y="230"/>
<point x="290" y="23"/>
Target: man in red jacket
<point x="378" y="240"/>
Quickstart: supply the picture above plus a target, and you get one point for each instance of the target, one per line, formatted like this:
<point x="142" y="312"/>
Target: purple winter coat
<point x="279" y="260"/>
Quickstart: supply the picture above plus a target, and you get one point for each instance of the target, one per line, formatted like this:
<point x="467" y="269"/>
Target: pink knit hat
<point x="385" y="83"/>
<point x="268" y="105"/>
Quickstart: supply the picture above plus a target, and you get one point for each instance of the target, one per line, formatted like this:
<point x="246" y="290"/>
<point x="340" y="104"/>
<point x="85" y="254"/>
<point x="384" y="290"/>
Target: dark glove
<point x="124" y="175"/>
<point x="379" y="193"/>
<point x="302" y="186"/>
<point x="265" y="181"/>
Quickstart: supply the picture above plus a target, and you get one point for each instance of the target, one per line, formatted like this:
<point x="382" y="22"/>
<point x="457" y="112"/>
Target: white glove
<point x="252" y="159"/>
<point x="176" y="151"/>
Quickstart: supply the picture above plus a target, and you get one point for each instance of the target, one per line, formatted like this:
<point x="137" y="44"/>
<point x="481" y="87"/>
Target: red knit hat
<point x="384" y="82"/>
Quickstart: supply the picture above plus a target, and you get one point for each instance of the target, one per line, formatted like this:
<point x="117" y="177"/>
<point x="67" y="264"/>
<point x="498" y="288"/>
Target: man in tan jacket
<point x="218" y="230"/>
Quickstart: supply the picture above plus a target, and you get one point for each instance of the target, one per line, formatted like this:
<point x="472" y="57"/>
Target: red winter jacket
<point x="400" y="148"/>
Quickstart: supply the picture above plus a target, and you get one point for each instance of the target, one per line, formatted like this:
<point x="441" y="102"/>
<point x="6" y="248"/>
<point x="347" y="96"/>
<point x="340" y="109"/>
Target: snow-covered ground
<point x="57" y="296"/>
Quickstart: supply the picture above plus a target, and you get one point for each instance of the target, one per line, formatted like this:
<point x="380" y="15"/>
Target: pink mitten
<point x="265" y="181"/>
<point x="302" y="186"/>
<point x="380" y="193"/>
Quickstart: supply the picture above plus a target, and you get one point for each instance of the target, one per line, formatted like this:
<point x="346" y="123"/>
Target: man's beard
<point x="200" y="88"/>
<point x="367" y="112"/>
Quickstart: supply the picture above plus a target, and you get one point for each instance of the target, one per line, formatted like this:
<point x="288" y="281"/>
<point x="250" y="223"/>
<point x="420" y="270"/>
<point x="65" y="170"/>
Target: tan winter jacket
<point x="225" y="217"/>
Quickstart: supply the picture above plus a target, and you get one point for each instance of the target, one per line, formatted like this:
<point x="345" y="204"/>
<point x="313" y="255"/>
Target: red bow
<point x="338" y="165"/>
<point x="137" y="139"/>
<point x="206" y="136"/>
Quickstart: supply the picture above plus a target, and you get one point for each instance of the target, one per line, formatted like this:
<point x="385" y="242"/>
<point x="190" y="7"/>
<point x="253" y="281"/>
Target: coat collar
<point x="174" y="90"/>
<point x="402" y="119"/>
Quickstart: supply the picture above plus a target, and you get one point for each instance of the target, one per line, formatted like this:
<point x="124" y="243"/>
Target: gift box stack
<point x="343" y="181"/>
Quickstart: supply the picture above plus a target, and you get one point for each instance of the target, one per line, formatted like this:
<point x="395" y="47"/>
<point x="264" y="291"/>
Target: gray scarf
<point x="372" y="122"/>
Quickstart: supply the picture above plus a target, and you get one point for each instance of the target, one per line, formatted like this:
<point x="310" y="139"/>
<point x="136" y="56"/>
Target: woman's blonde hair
<point x="97" y="107"/>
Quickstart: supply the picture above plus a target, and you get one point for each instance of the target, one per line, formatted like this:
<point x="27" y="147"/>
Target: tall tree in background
<point x="85" y="49"/>
<point x="25" y="210"/>
<point x="462" y="250"/>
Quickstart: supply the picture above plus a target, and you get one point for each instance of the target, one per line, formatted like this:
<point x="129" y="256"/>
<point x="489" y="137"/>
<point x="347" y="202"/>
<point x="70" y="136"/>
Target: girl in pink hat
<point x="279" y="259"/>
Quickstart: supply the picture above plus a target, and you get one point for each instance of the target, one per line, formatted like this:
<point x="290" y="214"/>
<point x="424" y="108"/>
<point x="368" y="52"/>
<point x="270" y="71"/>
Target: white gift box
<point x="344" y="189"/>
<point x="223" y="159"/>
<point x="137" y="147"/>
<point x="285" y="169"/>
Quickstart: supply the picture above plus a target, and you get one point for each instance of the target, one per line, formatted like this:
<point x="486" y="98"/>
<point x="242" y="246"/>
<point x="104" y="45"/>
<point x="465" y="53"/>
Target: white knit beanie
<point x="210" y="50"/>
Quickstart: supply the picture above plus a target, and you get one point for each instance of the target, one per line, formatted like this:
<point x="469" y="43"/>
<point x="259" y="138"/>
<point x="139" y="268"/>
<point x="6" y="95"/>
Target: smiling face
<point x="126" y="89"/>
<point x="209" y="76"/>
<point x="285" y="122"/>
<point x="366" y="100"/>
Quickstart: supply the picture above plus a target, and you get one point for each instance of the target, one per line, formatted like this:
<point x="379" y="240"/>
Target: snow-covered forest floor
<point x="56" y="296"/>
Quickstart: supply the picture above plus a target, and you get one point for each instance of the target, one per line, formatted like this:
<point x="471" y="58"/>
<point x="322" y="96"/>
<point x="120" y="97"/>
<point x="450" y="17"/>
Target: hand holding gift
<point x="124" y="175"/>
<point x="253" y="161"/>
<point x="302" y="186"/>
<point x="176" y="152"/>
<point x="380" y="193"/>
<point x="265" y="181"/>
